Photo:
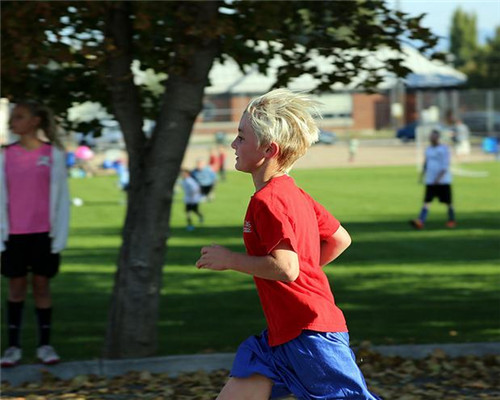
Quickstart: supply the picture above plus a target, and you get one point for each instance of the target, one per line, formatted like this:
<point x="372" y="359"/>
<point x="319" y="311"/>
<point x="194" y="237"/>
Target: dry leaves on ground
<point x="392" y="378"/>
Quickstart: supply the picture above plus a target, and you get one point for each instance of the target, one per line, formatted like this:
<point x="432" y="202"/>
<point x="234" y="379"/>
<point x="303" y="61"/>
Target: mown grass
<point x="394" y="284"/>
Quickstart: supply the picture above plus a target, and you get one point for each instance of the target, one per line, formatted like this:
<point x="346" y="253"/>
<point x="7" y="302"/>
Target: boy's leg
<point x="420" y="221"/>
<point x="190" y="226"/>
<point x="424" y="212"/>
<point x="255" y="387"/>
<point x="430" y="193"/>
<point x="189" y="209"/>
<point x="446" y="198"/>
<point x="451" y="223"/>
<point x="198" y="213"/>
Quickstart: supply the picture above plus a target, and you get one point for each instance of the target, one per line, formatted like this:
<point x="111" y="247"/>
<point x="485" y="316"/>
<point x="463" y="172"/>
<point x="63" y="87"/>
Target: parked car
<point x="407" y="132"/>
<point x="477" y="121"/>
<point x="327" y="137"/>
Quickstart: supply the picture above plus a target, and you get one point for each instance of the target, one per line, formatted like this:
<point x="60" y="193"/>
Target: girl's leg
<point x="43" y="308"/>
<point x="43" y="303"/>
<point x="17" y="295"/>
<point x="18" y="288"/>
<point x="255" y="387"/>
<point x="41" y="291"/>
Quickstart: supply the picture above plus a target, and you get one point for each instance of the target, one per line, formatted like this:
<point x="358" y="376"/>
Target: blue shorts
<point x="314" y="365"/>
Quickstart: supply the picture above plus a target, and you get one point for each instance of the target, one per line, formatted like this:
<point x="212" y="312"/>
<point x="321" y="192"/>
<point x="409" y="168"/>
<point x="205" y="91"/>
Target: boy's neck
<point x="265" y="174"/>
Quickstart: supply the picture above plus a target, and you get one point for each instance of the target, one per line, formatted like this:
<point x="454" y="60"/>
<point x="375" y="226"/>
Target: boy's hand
<point x="214" y="257"/>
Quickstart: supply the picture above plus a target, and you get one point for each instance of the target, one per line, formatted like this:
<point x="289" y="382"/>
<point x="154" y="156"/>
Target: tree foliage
<point x="57" y="50"/>
<point x="463" y="36"/>
<point x="481" y="63"/>
<point x="483" y="68"/>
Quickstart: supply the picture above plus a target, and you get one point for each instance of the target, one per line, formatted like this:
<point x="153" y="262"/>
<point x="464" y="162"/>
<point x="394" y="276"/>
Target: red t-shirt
<point x="282" y="211"/>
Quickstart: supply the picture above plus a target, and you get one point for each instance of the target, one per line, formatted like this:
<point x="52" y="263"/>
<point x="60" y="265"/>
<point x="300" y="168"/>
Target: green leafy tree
<point x="463" y="37"/>
<point x="483" y="69"/>
<point x="75" y="51"/>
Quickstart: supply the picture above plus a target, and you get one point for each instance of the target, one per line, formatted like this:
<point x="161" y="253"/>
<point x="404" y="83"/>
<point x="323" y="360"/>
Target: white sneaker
<point x="11" y="356"/>
<point x="47" y="355"/>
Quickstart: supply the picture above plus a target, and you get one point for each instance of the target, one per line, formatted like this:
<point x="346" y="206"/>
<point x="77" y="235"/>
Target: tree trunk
<point x="154" y="167"/>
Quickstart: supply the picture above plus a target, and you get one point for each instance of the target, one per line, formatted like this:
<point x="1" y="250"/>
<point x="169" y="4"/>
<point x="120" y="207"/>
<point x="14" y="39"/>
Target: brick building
<point x="345" y="108"/>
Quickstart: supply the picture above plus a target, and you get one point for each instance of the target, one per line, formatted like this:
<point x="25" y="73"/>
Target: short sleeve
<point x="327" y="223"/>
<point x="273" y="227"/>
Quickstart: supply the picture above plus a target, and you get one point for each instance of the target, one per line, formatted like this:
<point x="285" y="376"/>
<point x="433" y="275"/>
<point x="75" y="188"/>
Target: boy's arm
<point x="282" y="264"/>
<point x="422" y="173"/>
<point x="334" y="246"/>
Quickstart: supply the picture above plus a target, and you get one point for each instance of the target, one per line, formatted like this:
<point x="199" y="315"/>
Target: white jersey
<point x="192" y="191"/>
<point x="437" y="159"/>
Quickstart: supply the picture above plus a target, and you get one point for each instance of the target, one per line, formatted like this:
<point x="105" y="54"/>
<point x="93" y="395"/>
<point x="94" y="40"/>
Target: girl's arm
<point x="282" y="264"/>
<point x="334" y="246"/>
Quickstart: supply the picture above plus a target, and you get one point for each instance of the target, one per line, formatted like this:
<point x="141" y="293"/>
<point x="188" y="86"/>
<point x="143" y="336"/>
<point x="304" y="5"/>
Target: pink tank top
<point x="28" y="187"/>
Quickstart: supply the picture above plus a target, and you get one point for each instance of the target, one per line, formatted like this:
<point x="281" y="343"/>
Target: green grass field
<point x="395" y="285"/>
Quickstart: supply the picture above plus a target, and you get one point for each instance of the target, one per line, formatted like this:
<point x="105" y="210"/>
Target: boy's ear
<point x="272" y="150"/>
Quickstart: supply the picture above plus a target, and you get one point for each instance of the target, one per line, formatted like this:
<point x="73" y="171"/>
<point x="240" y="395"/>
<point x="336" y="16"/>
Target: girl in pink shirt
<point x="34" y="210"/>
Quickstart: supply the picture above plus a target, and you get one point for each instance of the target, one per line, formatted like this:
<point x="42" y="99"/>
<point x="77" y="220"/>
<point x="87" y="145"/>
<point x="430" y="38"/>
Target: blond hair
<point x="286" y="118"/>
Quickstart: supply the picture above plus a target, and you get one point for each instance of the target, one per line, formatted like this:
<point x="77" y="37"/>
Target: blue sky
<point x="439" y="13"/>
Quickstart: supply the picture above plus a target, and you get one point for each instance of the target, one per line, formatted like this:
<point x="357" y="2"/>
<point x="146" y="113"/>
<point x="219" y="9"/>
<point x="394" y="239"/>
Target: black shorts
<point x="192" y="207"/>
<point x="205" y="190"/>
<point x="442" y="192"/>
<point x="29" y="253"/>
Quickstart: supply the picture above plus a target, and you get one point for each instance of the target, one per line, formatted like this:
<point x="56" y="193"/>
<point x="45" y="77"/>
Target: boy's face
<point x="249" y="155"/>
<point x="434" y="138"/>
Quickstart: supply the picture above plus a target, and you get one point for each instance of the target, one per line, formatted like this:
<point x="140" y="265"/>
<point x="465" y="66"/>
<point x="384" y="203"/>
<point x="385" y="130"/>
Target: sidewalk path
<point x="174" y="365"/>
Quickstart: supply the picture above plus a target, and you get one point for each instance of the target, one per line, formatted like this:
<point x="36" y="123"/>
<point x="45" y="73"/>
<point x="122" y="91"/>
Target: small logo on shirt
<point x="43" y="160"/>
<point x="247" y="227"/>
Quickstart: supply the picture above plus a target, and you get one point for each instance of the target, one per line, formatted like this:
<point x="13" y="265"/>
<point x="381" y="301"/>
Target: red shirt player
<point x="289" y="237"/>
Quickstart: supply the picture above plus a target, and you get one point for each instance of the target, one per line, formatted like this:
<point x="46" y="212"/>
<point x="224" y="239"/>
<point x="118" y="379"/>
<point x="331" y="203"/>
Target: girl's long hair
<point x="47" y="121"/>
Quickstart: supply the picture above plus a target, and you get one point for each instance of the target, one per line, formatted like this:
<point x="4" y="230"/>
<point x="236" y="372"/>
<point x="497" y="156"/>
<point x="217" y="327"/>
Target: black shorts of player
<point x="192" y="207"/>
<point x="442" y="192"/>
<point x="29" y="253"/>
<point x="205" y="190"/>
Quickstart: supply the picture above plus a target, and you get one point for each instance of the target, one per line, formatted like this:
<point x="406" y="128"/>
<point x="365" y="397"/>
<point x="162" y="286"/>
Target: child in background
<point x="222" y="163"/>
<point x="192" y="198"/>
<point x="206" y="177"/>
<point x="213" y="160"/>
<point x="289" y="237"/>
<point x="34" y="216"/>
<point x="437" y="175"/>
<point x="353" y="148"/>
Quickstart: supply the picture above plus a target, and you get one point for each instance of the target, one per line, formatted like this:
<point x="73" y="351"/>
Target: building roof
<point x="228" y="78"/>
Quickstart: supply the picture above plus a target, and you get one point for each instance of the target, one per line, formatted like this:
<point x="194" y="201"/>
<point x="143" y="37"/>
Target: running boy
<point x="288" y="237"/>
<point x="437" y="175"/>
